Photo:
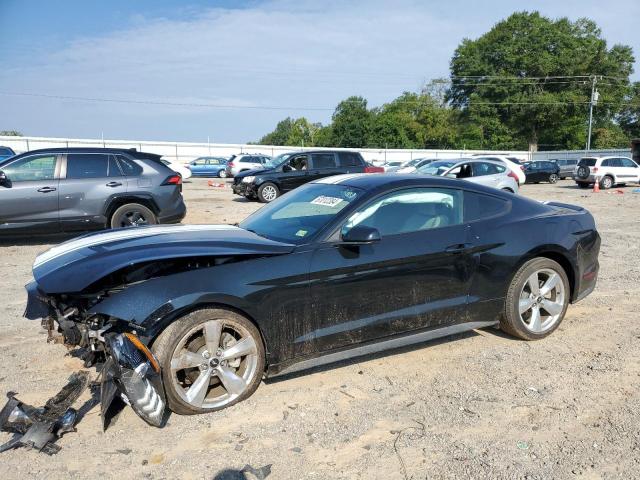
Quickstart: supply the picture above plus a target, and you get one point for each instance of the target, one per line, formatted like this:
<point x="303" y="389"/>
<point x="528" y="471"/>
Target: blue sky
<point x="266" y="59"/>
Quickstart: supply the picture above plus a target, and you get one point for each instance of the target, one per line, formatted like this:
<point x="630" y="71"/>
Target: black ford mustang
<point x="195" y="316"/>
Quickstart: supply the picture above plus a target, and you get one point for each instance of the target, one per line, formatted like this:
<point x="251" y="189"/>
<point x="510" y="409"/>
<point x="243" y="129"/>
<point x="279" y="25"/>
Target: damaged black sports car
<point x="194" y="316"/>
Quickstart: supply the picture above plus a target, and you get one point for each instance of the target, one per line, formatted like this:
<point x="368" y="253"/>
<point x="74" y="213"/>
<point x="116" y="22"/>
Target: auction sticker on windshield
<point x="327" y="201"/>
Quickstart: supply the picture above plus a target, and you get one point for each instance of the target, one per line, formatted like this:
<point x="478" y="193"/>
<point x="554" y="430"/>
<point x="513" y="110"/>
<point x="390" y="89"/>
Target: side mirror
<point x="3" y="179"/>
<point x="360" y="234"/>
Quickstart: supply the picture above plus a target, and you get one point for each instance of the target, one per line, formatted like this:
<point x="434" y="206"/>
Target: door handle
<point x="46" y="189"/>
<point x="114" y="184"/>
<point x="458" y="248"/>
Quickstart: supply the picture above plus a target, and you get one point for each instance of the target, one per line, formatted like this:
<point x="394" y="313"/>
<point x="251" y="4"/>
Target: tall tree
<point x="351" y="123"/>
<point x="534" y="72"/>
<point x="629" y="118"/>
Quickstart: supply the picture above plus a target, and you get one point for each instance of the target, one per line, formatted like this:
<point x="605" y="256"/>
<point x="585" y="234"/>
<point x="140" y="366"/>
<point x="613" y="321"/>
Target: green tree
<point x="10" y="133"/>
<point x="351" y="123"/>
<point x="289" y="131"/>
<point x="526" y="66"/>
<point x="629" y="118"/>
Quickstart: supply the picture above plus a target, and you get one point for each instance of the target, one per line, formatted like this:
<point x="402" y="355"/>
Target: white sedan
<point x="178" y="168"/>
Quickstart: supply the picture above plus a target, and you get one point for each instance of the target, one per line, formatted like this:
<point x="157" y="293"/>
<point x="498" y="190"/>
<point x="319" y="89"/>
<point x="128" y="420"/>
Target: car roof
<point x="127" y="151"/>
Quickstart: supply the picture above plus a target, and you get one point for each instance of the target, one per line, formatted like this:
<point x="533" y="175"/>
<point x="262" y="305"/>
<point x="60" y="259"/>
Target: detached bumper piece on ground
<point x="39" y="428"/>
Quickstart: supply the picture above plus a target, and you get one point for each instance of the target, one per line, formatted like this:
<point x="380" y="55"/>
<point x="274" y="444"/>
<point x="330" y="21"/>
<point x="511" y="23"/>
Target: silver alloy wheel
<point x="213" y="364"/>
<point x="553" y="178"/>
<point x="269" y="193"/>
<point x="607" y="182"/>
<point x="542" y="300"/>
<point x="222" y="174"/>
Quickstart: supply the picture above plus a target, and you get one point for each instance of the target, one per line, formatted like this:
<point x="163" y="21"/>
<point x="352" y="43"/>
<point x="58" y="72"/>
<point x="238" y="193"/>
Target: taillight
<point x="373" y="170"/>
<point x="513" y="175"/>
<point x="230" y="165"/>
<point x="173" y="180"/>
<point x="594" y="169"/>
<point x="522" y="167"/>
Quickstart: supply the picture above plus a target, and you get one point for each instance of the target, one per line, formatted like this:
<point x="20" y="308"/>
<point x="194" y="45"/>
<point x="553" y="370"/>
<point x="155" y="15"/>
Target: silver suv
<point x="608" y="171"/>
<point x="78" y="189"/>
<point x="242" y="163"/>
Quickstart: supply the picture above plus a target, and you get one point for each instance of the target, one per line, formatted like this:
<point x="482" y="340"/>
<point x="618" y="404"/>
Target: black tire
<point x="553" y="178"/>
<point x="268" y="195"/>
<point x="606" y="183"/>
<point x="511" y="321"/>
<point x="222" y="174"/>
<point x="165" y="344"/>
<point x="583" y="172"/>
<point x="582" y="185"/>
<point x="132" y="215"/>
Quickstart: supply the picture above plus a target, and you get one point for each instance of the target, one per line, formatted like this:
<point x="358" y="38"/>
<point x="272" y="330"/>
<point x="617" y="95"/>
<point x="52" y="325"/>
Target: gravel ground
<point x="478" y="405"/>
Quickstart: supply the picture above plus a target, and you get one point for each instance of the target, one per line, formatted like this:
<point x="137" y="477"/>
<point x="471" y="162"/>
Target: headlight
<point x="248" y="179"/>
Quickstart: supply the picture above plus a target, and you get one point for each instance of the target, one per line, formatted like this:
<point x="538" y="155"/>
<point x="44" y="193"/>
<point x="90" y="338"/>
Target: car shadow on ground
<point x="394" y="351"/>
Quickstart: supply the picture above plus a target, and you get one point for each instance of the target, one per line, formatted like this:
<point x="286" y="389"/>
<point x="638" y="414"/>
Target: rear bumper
<point x="175" y="216"/>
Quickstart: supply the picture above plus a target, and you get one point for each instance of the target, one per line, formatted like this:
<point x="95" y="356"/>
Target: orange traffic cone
<point x="596" y="186"/>
<point x="210" y="183"/>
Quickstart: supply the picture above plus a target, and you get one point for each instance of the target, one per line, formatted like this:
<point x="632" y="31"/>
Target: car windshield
<point x="279" y="160"/>
<point x="297" y="216"/>
<point x="436" y="168"/>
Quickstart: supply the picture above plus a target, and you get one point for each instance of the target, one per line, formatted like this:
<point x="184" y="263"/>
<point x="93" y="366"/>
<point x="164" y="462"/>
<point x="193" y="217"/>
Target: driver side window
<point x="299" y="162"/>
<point x="409" y="211"/>
<point x="34" y="168"/>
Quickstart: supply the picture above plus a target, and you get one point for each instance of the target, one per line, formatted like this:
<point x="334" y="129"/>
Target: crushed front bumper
<point x="244" y="189"/>
<point x="37" y="306"/>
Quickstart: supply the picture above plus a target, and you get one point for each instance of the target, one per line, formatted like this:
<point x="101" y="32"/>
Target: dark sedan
<point x="543" y="171"/>
<point x="341" y="267"/>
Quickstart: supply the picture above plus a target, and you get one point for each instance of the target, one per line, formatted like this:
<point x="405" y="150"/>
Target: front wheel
<point x="132" y="215"/>
<point x="268" y="192"/>
<point x="210" y="359"/>
<point x="537" y="300"/>
<point x="553" y="178"/>
<point x="606" y="183"/>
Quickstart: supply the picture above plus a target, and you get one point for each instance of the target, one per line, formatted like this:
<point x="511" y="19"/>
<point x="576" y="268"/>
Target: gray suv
<point x="78" y="189"/>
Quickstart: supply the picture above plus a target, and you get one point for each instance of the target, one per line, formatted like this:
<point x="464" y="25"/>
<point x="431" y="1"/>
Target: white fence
<point x="185" y="152"/>
<point x="564" y="154"/>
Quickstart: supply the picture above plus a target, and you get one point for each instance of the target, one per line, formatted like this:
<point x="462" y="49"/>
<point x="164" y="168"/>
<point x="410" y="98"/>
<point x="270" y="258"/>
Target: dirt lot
<point x="475" y="405"/>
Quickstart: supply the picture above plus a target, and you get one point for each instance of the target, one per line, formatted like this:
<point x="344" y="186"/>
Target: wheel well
<point x="507" y="189"/>
<point x="565" y="264"/>
<point x="120" y="201"/>
<point x="201" y="306"/>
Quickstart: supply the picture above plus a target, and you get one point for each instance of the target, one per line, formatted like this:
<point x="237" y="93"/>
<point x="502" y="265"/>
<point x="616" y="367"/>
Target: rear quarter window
<point x="129" y="167"/>
<point x="587" y="162"/>
<point x="478" y="206"/>
<point x="351" y="159"/>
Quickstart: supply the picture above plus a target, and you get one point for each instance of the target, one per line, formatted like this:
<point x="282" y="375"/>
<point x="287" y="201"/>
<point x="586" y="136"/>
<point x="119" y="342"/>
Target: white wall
<point x="185" y="152"/>
<point x="560" y="154"/>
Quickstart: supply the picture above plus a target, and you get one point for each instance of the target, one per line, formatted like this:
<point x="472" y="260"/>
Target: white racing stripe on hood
<point x="123" y="234"/>
<point x="336" y="179"/>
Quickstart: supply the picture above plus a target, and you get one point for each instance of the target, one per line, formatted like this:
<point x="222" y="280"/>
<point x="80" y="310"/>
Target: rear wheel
<point x="268" y="192"/>
<point x="537" y="300"/>
<point x="553" y="178"/>
<point x="606" y="183"/>
<point x="210" y="359"/>
<point x="132" y="215"/>
<point x="222" y="174"/>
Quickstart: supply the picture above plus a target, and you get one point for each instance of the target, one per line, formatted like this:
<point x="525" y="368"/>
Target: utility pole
<point x="594" y="101"/>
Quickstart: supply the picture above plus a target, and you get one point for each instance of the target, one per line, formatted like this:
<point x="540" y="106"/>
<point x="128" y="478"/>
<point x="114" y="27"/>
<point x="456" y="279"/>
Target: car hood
<point x="74" y="265"/>
<point x="257" y="171"/>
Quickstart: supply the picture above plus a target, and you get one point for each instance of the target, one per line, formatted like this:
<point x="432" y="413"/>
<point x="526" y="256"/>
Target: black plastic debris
<point x="39" y="427"/>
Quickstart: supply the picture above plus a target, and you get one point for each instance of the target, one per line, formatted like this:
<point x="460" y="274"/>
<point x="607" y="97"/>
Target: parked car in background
<point x="609" y="171"/>
<point x="567" y="167"/>
<point x="208" y="167"/>
<point x="6" y="152"/>
<point x="78" y="189"/>
<point x="244" y="162"/>
<point x="513" y="163"/>
<point x="542" y="171"/>
<point x="267" y="184"/>
<point x="342" y="267"/>
<point x="178" y="168"/>
<point x="413" y="165"/>
<point x="392" y="166"/>
<point x="484" y="172"/>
